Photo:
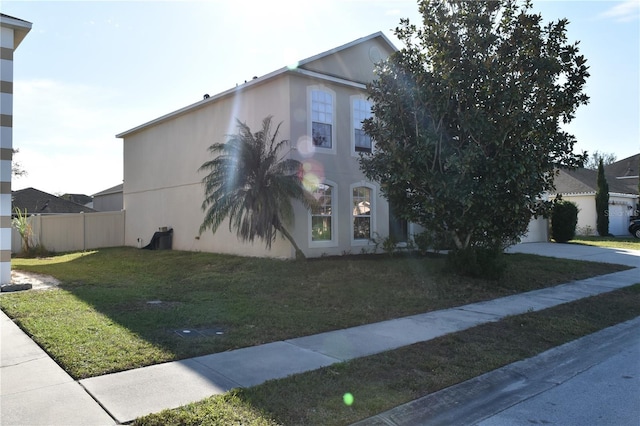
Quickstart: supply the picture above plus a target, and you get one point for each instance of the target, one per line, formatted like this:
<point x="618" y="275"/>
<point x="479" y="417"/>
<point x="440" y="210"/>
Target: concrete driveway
<point x="580" y="252"/>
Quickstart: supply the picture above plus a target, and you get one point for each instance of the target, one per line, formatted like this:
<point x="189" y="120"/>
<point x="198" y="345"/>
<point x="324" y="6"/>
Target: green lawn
<point x="383" y="381"/>
<point x="101" y="321"/>
<point x="629" y="243"/>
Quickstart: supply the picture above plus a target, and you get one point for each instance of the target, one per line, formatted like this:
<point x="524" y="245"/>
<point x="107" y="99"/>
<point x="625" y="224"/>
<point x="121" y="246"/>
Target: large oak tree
<point x="468" y="118"/>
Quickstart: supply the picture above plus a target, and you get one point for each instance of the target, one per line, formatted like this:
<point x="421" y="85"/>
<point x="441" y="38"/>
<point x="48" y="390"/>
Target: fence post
<point x="84" y="231"/>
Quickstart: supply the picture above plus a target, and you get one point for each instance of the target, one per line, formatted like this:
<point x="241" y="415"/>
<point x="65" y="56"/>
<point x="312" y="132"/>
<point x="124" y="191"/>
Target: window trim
<point x="352" y="128"/>
<point x="321" y="88"/>
<point x="372" y="207"/>
<point x="334" y="220"/>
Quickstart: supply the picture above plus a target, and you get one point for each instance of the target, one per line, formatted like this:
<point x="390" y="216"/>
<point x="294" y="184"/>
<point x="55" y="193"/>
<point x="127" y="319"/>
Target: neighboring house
<point x="580" y="186"/>
<point x="109" y="199"/>
<point x="82" y="199"/>
<point x="39" y="202"/>
<point x="321" y="102"/>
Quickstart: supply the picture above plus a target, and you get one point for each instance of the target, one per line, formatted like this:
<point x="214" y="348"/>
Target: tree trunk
<point x="460" y="244"/>
<point x="299" y="254"/>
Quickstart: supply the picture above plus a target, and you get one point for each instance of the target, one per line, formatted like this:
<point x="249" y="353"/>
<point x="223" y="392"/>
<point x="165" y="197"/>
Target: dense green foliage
<point x="251" y="185"/>
<point x="481" y="262"/>
<point x="602" y="203"/>
<point x="467" y="119"/>
<point x="564" y="219"/>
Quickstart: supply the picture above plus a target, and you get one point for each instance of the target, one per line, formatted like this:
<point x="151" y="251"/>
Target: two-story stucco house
<point x="321" y="103"/>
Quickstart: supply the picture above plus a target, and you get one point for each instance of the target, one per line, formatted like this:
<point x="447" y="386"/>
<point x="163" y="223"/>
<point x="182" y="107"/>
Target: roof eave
<point x="347" y="46"/>
<point x="204" y="102"/>
<point x="263" y="79"/>
<point x="20" y="28"/>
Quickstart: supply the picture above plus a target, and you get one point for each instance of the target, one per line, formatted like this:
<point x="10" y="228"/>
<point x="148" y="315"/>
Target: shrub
<point x="21" y="222"/>
<point x="477" y="262"/>
<point x="564" y="219"/>
<point x="429" y="240"/>
<point x="389" y="245"/>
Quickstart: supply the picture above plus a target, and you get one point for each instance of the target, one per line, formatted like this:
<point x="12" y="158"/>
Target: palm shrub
<point x="249" y="182"/>
<point x="21" y="222"/>
<point x="564" y="218"/>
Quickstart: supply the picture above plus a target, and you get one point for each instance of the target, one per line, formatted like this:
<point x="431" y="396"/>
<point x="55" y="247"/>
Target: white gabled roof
<point x="266" y="77"/>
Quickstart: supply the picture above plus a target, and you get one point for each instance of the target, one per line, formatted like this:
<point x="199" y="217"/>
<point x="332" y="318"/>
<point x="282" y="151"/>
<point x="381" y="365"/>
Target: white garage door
<point x="618" y="219"/>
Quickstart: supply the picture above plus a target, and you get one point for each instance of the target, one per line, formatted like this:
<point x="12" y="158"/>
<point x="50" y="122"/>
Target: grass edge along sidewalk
<point x="386" y="380"/>
<point x="105" y="318"/>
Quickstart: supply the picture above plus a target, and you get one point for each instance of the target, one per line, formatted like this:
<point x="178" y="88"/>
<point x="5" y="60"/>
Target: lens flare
<point x="347" y="398"/>
<point x="305" y="146"/>
<point x="312" y="174"/>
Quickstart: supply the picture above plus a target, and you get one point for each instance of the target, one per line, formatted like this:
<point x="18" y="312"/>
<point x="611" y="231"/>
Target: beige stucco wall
<point x="354" y="63"/>
<point x="162" y="183"/>
<point x="163" y="188"/>
<point x="340" y="168"/>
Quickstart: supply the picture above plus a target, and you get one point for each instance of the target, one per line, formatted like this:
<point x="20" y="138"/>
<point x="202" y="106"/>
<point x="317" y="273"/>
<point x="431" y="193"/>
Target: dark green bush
<point x="477" y="262"/>
<point x="564" y="219"/>
<point x="436" y="241"/>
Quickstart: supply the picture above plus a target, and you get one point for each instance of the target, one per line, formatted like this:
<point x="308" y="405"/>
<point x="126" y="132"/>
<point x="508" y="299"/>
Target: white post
<point x="12" y="31"/>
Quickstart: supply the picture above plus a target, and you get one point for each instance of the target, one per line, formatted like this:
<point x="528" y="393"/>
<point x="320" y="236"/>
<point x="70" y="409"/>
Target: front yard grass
<point x="101" y="319"/>
<point x="629" y="243"/>
<point x="383" y="381"/>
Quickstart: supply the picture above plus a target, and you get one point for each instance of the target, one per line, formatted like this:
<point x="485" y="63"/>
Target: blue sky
<point x="89" y="70"/>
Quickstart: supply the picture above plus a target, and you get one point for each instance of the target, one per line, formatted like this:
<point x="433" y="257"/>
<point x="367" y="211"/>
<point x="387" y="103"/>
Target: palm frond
<point x="248" y="183"/>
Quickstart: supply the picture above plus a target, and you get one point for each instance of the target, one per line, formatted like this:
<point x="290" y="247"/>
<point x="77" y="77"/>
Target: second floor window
<point x="321" y="118"/>
<point x="361" y="111"/>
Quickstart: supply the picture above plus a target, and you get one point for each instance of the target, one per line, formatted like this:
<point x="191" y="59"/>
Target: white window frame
<point x="352" y="125"/>
<point x="372" y="210"/>
<point x="333" y="242"/>
<point x="334" y="142"/>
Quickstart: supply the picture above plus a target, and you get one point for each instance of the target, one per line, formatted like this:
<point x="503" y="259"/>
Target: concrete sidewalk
<point x="30" y="381"/>
<point x="34" y="390"/>
<point x="534" y="390"/>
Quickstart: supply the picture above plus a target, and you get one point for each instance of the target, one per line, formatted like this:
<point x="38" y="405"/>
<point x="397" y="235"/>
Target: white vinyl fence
<point x="74" y="231"/>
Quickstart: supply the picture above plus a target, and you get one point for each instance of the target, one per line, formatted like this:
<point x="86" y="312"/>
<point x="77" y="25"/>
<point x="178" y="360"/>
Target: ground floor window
<point x="361" y="210"/>
<point x="321" y="215"/>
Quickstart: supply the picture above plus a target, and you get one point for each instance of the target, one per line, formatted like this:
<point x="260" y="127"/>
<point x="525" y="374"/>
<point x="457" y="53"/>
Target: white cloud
<point x="626" y="11"/>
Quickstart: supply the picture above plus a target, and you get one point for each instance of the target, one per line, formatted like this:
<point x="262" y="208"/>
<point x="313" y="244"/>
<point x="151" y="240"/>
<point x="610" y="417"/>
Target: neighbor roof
<point x="626" y="167"/>
<point x="35" y="202"/>
<point x="585" y="181"/>
<point x="260" y="80"/>
<point x="113" y="190"/>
